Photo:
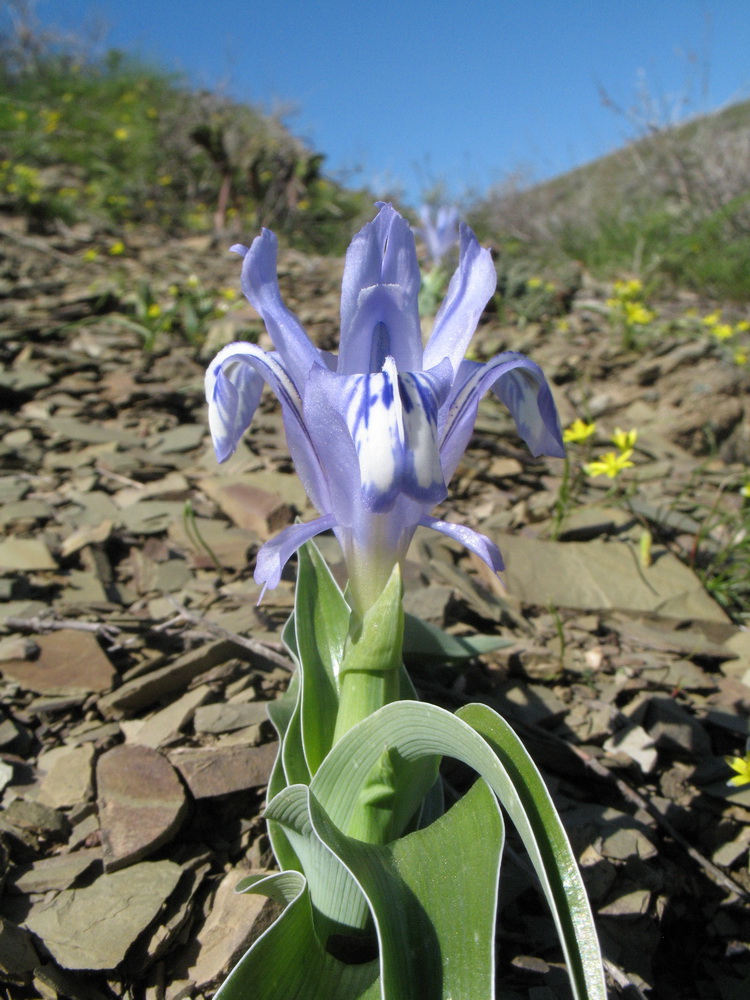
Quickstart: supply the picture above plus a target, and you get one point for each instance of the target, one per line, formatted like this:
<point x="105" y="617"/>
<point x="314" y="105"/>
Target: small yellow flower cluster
<point x="117" y="249"/>
<point x="18" y="179"/>
<point x="613" y="463"/>
<point x="724" y="331"/>
<point x="610" y="464"/>
<point x="636" y="314"/>
<point x="627" y="303"/>
<point x="624" y="440"/>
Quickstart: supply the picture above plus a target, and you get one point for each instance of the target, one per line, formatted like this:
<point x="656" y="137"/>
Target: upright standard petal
<point x="470" y="289"/>
<point x="522" y="387"/>
<point x="261" y="287"/>
<point x="381" y="254"/>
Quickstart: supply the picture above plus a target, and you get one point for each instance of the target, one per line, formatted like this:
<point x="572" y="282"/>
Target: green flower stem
<point x="370" y="671"/>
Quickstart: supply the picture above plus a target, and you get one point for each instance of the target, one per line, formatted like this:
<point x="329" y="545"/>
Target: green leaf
<point x="280" y="712"/>
<point x="531" y="809"/>
<point x="321" y="617"/>
<point x="338" y="904"/>
<point x="288" y="961"/>
<point x="428" y="644"/>
<point x="433" y="896"/>
<point x="421" y="734"/>
<point x="372" y="665"/>
<point x="433" y="909"/>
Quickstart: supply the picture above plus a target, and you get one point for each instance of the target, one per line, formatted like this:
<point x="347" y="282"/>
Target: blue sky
<point x="416" y="92"/>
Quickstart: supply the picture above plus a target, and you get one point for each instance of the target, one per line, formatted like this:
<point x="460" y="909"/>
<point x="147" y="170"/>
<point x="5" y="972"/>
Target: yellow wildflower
<point x="610" y="465"/>
<point x="742" y="766"/>
<point x="121" y="134"/>
<point x="153" y="311"/>
<point x="91" y="254"/>
<point x="624" y="440"/>
<point x="636" y="314"/>
<point x="740" y="356"/>
<point x="712" y="318"/>
<point x="117" y="248"/>
<point x="165" y="180"/>
<point x="722" y="331"/>
<point x="534" y="283"/>
<point x="745" y="491"/>
<point x="742" y="327"/>
<point x="578" y="431"/>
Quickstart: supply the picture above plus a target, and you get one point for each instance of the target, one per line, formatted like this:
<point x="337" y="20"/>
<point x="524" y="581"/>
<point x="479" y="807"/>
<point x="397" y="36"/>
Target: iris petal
<point x="392" y="418"/>
<point x="522" y="387"/>
<point x="381" y="254"/>
<point x="383" y="316"/>
<point x="234" y="382"/>
<point x="471" y="287"/>
<point x="261" y="287"/>
<point x="274" y="555"/>
<point x="470" y="539"/>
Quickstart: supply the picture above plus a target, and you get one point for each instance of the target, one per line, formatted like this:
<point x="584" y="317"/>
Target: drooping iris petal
<point x="274" y="555"/>
<point x="382" y="253"/>
<point x="472" y="540"/>
<point x="261" y="287"/>
<point x="233" y="396"/>
<point x="522" y="387"/>
<point x="470" y="289"/>
<point x="333" y="443"/>
<point x="233" y="386"/>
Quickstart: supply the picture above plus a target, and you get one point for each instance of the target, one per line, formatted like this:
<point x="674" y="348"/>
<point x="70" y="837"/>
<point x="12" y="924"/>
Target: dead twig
<point x="253" y="645"/>
<point x="40" y="625"/>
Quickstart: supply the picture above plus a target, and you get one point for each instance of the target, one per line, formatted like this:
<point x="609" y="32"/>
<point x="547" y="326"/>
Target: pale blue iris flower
<point x="439" y="230"/>
<point x="376" y="432"/>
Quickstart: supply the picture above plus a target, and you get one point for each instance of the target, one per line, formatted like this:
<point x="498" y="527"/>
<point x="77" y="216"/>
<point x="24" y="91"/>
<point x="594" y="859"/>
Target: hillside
<point x="115" y="144"/>
<point x="674" y="204"/>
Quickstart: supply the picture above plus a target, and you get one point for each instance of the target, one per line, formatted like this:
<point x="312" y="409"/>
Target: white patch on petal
<point x="420" y="433"/>
<point x="392" y="418"/>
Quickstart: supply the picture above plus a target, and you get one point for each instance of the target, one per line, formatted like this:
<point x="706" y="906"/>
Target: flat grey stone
<point x="94" y="927"/>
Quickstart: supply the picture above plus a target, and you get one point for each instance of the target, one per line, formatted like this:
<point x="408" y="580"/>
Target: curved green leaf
<point x="427" y="644"/>
<point x="339" y="906"/>
<point x="433" y="897"/>
<point x="419" y="731"/>
<point x="288" y="961"/>
<point x="321" y="619"/>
